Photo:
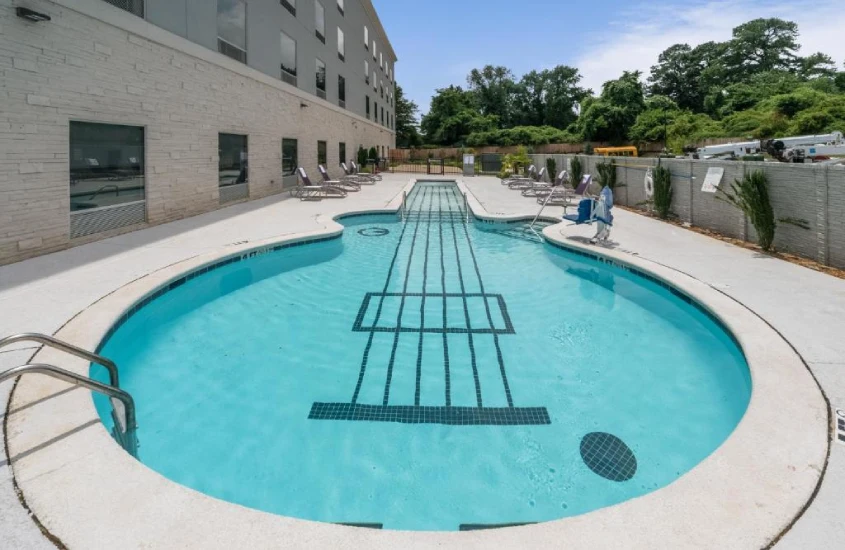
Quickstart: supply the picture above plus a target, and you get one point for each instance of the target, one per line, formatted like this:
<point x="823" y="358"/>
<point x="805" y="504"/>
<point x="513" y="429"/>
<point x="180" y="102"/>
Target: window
<point x="366" y="38"/>
<point x="366" y="71"/>
<point x="132" y="6"/>
<point x="340" y="6"/>
<point x="381" y="60"/>
<point x="106" y="165"/>
<point x="288" y="59"/>
<point x="375" y="82"/>
<point x="375" y="111"/>
<point x="232" y="165"/>
<point x="290" y="5"/>
<point x="322" y="153"/>
<point x="320" y="21"/>
<point x="368" y="107"/>
<point x="341" y="45"/>
<point x="341" y="91"/>
<point x="341" y="153"/>
<point x="290" y="161"/>
<point x="382" y="89"/>
<point x="321" y="79"/>
<point x="374" y="50"/>
<point x="382" y="116"/>
<point x="231" y="29"/>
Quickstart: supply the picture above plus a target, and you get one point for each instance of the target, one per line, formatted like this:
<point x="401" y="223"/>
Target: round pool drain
<point x="373" y="232"/>
<point x="608" y="456"/>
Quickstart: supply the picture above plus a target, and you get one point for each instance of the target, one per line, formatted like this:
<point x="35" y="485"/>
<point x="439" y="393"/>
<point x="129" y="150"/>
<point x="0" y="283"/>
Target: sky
<point x="439" y="42"/>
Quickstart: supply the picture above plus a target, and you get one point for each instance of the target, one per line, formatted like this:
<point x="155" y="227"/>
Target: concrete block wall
<point x="126" y="71"/>
<point x="811" y="194"/>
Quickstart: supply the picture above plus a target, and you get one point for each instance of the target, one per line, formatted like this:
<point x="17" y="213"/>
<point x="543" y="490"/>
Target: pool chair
<point x="357" y="172"/>
<point x="306" y="190"/>
<point x="598" y="211"/>
<point x="349" y="185"/>
<point x="541" y="189"/>
<point x="563" y="195"/>
<point x="532" y="171"/>
<point x="528" y="183"/>
<point x="360" y="179"/>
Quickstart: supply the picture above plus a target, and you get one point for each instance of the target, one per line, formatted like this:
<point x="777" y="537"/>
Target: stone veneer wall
<point x="813" y="193"/>
<point x="117" y="68"/>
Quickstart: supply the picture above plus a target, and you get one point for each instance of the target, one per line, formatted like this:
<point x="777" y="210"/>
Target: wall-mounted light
<point x="31" y="15"/>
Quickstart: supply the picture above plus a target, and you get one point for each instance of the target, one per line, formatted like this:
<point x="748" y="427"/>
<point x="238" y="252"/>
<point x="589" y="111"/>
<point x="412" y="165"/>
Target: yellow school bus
<point x="616" y="151"/>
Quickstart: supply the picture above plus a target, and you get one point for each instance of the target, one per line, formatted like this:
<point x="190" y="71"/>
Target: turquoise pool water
<point x="426" y="375"/>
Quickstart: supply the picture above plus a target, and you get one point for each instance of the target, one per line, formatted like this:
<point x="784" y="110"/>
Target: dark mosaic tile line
<point x="451" y="416"/>
<point x="422" y="306"/>
<point x="485" y="526"/>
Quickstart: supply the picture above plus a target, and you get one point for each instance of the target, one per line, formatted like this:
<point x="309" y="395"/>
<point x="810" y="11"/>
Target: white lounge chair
<point x="361" y="179"/>
<point x="542" y="189"/>
<point x="306" y="190"/>
<point x="528" y="182"/>
<point x="532" y="170"/>
<point x="343" y="184"/>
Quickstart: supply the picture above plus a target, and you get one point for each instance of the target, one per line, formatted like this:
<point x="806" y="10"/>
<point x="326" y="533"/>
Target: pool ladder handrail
<point x="466" y="208"/>
<point x="49" y="341"/>
<point x="404" y="205"/>
<point x="123" y="405"/>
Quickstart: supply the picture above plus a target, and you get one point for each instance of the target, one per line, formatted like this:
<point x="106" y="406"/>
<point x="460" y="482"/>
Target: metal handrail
<point x="114" y="379"/>
<point x="466" y="208"/>
<point x="404" y="205"/>
<point x="123" y="406"/>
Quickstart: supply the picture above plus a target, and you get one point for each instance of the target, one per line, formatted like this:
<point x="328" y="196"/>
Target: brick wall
<point x="77" y="67"/>
<point x="814" y="194"/>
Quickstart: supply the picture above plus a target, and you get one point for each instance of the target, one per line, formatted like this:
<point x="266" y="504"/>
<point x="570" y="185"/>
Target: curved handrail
<point x="125" y="424"/>
<point x="114" y="379"/>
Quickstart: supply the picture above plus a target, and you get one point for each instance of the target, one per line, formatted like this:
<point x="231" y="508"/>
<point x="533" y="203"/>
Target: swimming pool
<point x="427" y="375"/>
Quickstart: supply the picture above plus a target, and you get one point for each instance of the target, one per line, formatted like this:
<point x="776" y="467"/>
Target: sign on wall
<point x="713" y="180"/>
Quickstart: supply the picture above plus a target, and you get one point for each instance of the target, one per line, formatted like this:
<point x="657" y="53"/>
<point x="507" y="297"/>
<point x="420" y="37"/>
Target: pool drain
<point x="373" y="232"/>
<point x="608" y="456"/>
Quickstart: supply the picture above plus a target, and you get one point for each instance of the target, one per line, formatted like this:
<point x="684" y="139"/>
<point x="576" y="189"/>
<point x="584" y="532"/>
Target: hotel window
<point x="106" y="165"/>
<point x="375" y="82"/>
<point x="366" y="71"/>
<point x="288" y="59"/>
<point x="233" y="169"/>
<point x="382" y="89"/>
<point x="321" y="79"/>
<point x="374" y="50"/>
<point x="322" y="153"/>
<point x="231" y="29"/>
<point x="341" y="91"/>
<point x="290" y="160"/>
<point x="366" y="37"/>
<point x="340" y="6"/>
<point x="341" y="153"/>
<point x="375" y="111"/>
<point x="381" y="60"/>
<point x="290" y="5"/>
<point x="368" y="107"/>
<point x="132" y="6"/>
<point x="320" y="21"/>
<point x="382" y="116"/>
<point x="341" y="45"/>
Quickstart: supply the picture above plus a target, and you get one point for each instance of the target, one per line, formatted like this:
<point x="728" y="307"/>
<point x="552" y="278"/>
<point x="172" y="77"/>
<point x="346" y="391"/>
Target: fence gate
<point x="436" y="167"/>
<point x="491" y="163"/>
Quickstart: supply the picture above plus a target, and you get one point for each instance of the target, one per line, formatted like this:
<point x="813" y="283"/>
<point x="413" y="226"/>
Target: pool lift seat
<point x="598" y="211"/>
<point x="123" y="406"/>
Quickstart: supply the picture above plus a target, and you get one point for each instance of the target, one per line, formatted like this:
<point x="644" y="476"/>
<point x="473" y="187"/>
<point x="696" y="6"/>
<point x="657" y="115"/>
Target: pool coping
<point x="88" y="492"/>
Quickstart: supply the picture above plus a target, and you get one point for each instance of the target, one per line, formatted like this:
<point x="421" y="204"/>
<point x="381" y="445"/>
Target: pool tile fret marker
<point x="447" y="212"/>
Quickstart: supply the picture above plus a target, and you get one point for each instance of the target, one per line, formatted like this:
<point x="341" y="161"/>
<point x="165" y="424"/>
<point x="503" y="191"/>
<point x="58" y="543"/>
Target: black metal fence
<point x="490" y="164"/>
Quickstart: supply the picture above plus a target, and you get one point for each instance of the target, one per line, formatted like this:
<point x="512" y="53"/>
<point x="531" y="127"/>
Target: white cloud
<point x="637" y="37"/>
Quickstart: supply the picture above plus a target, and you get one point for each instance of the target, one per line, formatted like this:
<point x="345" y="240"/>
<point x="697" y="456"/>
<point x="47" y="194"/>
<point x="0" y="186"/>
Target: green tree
<point x="677" y="76"/>
<point x="611" y="116"/>
<point x="454" y="115"/>
<point x="493" y="88"/>
<point x="763" y="45"/>
<point x="407" y="134"/>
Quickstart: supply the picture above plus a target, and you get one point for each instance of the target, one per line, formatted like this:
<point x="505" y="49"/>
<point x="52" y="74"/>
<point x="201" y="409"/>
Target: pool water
<point x="426" y="375"/>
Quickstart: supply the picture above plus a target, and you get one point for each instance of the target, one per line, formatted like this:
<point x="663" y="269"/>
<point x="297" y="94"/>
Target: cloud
<point x="637" y="37"/>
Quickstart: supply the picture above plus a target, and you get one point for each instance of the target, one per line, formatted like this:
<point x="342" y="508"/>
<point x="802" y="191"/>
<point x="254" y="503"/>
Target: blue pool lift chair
<point x="597" y="211"/>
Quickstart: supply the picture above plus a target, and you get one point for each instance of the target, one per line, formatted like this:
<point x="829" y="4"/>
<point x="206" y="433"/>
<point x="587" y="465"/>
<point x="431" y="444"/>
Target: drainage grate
<point x="608" y="456"/>
<point x="373" y="232"/>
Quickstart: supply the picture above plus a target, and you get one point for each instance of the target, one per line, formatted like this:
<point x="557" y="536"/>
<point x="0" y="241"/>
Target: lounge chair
<point x="357" y="171"/>
<point x="306" y="190"/>
<point x="527" y="183"/>
<point x="597" y="211"/>
<point x="532" y="170"/>
<point x="361" y="179"/>
<point x="542" y="189"/>
<point x="561" y="196"/>
<point x="343" y="184"/>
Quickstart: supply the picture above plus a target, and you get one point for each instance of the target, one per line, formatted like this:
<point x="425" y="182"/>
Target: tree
<point x="677" y="76"/>
<point x="817" y="65"/>
<point x="407" y="134"/>
<point x="611" y="116"/>
<point x="493" y="88"/>
<point x="763" y="45"/>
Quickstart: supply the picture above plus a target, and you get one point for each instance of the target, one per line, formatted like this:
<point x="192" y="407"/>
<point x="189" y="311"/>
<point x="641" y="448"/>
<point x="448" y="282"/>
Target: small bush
<point x="362" y="156"/>
<point x="607" y="174"/>
<point x="576" y="170"/>
<point x="551" y="168"/>
<point x="751" y="195"/>
<point x="662" y="191"/>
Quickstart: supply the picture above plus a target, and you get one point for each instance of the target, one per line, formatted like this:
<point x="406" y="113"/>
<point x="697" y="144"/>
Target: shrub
<point x="551" y="168"/>
<point x="373" y="153"/>
<point x="751" y="195"/>
<point x="576" y="170"/>
<point x="362" y="156"/>
<point x="662" y="191"/>
<point x="588" y="148"/>
<point x="607" y="174"/>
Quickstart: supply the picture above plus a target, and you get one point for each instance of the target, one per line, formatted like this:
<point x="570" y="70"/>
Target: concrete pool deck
<point x="805" y="306"/>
